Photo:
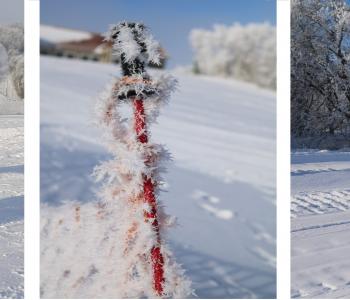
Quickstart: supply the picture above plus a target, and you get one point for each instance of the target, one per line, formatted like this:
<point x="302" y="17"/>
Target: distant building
<point x="78" y="44"/>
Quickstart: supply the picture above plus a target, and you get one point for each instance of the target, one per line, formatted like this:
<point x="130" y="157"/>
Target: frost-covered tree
<point x="320" y="70"/>
<point x="4" y="64"/>
<point x="12" y="39"/>
<point x="242" y="52"/>
<point x="17" y="74"/>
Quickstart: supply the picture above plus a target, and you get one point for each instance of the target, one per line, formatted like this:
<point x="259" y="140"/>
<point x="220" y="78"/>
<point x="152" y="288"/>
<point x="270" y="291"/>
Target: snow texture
<point x="11" y="207"/>
<point x="10" y="107"/>
<point x="320" y="224"/>
<point x="221" y="186"/>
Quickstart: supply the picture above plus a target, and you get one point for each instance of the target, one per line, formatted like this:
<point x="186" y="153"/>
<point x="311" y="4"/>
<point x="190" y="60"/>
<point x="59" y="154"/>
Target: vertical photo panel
<point x="11" y="148"/>
<point x="129" y="90"/>
<point x="320" y="157"/>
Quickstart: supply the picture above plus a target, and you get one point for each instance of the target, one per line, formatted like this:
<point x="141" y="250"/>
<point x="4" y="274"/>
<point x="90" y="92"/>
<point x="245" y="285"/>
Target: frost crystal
<point x="125" y="43"/>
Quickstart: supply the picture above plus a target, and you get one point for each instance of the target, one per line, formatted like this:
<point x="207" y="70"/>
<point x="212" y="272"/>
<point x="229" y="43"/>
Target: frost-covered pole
<point x="129" y="37"/>
<point x="149" y="197"/>
<point x="136" y="67"/>
<point x="147" y="268"/>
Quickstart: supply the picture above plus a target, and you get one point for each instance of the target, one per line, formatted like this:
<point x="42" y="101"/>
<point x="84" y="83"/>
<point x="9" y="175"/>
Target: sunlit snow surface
<point x="320" y="211"/>
<point x="11" y="206"/>
<point x="221" y="186"/>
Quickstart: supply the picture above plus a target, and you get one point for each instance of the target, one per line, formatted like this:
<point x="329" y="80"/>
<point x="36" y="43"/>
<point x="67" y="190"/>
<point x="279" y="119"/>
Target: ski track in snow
<point x="11" y="206"/>
<point x="320" y="202"/>
<point x="320" y="225"/>
<point x="221" y="186"/>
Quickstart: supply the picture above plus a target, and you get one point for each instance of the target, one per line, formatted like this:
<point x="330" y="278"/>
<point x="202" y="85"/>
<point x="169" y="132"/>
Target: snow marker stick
<point x="131" y="68"/>
<point x="148" y="190"/>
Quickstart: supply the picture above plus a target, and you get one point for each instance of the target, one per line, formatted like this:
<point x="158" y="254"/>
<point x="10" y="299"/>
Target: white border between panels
<point x="31" y="150"/>
<point x="283" y="149"/>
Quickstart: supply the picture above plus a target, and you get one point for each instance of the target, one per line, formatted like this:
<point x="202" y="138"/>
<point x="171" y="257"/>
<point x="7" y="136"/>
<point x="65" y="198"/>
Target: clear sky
<point x="11" y="11"/>
<point x="169" y="20"/>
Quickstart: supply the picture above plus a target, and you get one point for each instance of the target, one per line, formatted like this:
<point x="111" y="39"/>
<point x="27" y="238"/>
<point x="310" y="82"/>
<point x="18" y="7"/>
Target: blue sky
<point x="169" y="20"/>
<point x="11" y="11"/>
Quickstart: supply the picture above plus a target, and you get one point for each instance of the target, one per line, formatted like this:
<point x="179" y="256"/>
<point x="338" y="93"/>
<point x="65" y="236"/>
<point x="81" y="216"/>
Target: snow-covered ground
<point x="320" y="211"/>
<point x="11" y="206"/>
<point x="221" y="185"/>
<point x="11" y="107"/>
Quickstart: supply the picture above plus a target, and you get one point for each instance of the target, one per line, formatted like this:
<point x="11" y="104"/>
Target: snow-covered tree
<point x="12" y="40"/>
<point x="17" y="74"/>
<point x="242" y="52"/>
<point x="320" y="58"/>
<point x="4" y="64"/>
<point x="12" y="37"/>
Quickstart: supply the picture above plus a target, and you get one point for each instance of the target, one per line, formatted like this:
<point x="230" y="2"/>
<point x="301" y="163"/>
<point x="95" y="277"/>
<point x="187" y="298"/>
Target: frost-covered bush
<point x="12" y="40"/>
<point x="242" y="52"/>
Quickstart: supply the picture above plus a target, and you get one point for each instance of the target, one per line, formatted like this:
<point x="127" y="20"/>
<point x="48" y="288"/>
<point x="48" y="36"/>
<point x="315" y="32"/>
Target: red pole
<point x="149" y="197"/>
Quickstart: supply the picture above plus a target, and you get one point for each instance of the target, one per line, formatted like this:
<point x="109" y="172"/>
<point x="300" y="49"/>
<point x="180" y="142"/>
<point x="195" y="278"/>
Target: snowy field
<point x="11" y="206"/>
<point x="221" y="186"/>
<point x="12" y="107"/>
<point x="320" y="211"/>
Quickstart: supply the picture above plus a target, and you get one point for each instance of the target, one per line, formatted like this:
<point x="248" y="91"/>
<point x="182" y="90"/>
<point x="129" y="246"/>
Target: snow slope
<point x="11" y="206"/>
<point x="320" y="211"/>
<point x="221" y="185"/>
